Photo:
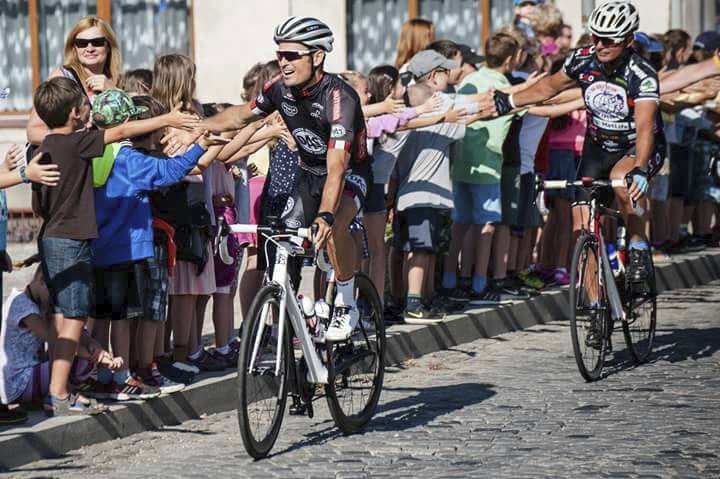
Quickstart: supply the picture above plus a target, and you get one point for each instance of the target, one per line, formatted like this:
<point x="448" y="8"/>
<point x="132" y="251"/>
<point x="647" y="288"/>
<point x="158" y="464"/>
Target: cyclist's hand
<point x="640" y="184"/>
<point x="322" y="233"/>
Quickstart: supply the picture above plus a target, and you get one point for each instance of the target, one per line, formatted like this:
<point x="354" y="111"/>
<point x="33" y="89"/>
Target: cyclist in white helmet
<point x="324" y="115"/>
<point x="624" y="137"/>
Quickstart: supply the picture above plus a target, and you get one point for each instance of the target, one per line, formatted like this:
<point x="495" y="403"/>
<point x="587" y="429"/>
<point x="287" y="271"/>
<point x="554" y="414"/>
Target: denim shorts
<point x="118" y="291"/>
<point x="476" y="204"/>
<point x="68" y="271"/>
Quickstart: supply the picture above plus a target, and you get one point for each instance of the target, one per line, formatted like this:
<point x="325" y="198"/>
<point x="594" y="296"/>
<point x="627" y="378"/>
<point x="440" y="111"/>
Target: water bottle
<point x="613" y="257"/>
<point x="322" y="313"/>
<point x="621" y="248"/>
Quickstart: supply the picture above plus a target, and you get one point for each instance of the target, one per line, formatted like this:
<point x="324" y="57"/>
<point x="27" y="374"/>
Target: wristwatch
<point x="328" y="217"/>
<point x="23" y="176"/>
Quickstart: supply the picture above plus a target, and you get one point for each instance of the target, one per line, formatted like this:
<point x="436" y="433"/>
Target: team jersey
<point x="323" y="117"/>
<point x="610" y="97"/>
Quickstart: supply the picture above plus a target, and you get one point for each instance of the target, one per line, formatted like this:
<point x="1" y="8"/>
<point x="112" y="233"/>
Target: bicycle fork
<point x="616" y="310"/>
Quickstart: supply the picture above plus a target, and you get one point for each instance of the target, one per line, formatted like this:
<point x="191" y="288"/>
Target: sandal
<point x="73" y="405"/>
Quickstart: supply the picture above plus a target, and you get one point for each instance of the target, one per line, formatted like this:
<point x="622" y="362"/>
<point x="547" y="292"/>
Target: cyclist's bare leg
<point x="581" y="216"/>
<point x="341" y="246"/>
<point x="636" y="224"/>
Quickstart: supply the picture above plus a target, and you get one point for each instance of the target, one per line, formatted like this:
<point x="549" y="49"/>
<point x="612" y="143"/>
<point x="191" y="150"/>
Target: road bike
<point x="283" y="350"/>
<point x="601" y="293"/>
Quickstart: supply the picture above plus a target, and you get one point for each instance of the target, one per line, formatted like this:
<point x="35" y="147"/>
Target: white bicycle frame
<point x="317" y="372"/>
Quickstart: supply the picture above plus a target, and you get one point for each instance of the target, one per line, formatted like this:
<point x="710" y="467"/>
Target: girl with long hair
<point x="416" y="35"/>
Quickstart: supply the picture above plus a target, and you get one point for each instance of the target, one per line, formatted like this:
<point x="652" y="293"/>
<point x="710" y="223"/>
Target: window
<point x="456" y="20"/>
<point x="587" y="7"/>
<point x="15" y="66"/>
<point x="32" y="37"/>
<point x="502" y="12"/>
<point x="373" y="31"/>
<point x="150" y="28"/>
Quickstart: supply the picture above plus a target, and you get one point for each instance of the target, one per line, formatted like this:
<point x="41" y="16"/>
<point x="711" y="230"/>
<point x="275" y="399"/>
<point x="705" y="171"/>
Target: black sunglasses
<point x="292" y="55"/>
<point x="84" y="42"/>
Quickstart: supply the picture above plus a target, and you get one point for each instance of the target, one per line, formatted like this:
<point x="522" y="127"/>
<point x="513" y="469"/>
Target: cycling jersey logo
<point x="288" y="207"/>
<point x="337" y="131"/>
<point x="309" y="141"/>
<point x="649" y="85"/>
<point x="289" y="110"/>
<point x="607" y="101"/>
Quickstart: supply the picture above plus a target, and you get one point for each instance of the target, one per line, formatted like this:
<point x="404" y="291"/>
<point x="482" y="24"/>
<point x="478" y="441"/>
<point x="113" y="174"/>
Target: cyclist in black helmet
<point x="324" y="115"/>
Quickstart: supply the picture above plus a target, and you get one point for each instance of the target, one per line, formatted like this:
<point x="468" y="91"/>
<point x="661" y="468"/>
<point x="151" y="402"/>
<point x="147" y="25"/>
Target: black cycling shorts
<point x="304" y="203"/>
<point x="597" y="163"/>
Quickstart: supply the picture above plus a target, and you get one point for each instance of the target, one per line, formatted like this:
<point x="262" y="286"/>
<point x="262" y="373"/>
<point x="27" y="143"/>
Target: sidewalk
<point x="44" y="438"/>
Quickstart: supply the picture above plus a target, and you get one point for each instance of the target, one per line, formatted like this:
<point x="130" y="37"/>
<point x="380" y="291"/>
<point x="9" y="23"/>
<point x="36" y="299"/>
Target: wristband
<point x="512" y="103"/>
<point x="23" y="176"/>
<point x="328" y="217"/>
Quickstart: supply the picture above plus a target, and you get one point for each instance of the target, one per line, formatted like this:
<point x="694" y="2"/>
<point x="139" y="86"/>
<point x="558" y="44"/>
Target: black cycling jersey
<point x="610" y="97"/>
<point x="325" y="116"/>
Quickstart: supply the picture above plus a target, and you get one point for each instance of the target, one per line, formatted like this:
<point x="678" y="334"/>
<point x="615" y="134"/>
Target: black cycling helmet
<point x="306" y="30"/>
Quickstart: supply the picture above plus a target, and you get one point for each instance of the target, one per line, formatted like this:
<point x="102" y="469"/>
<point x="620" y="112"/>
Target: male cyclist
<point x="324" y="115"/>
<point x="623" y="138"/>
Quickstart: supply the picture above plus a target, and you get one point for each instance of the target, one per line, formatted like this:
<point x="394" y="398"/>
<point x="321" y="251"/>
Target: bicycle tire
<point x="590" y="361"/>
<point x="252" y="388"/>
<point x="339" y="391"/>
<point x="640" y="335"/>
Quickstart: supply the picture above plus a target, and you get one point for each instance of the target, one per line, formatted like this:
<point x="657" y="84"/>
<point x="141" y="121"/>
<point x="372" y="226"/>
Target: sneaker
<point x="153" y="377"/>
<point x="561" y="277"/>
<point x="133" y="388"/>
<point x="442" y="304"/>
<point x="92" y="388"/>
<point x="344" y="320"/>
<point x="696" y="244"/>
<point x="594" y="335"/>
<point x="10" y="417"/>
<point x="531" y="280"/>
<point x="392" y="313"/>
<point x="207" y="362"/>
<point x="639" y="265"/>
<point x="461" y="294"/>
<point x="72" y="405"/>
<point x="230" y="359"/>
<point x="508" y="290"/>
<point x="490" y="295"/>
<point x="422" y="315"/>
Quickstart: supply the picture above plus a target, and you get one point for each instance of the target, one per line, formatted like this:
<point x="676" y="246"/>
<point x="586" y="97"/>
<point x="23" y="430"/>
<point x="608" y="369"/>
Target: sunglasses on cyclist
<point x="84" y="42"/>
<point x="293" y="55"/>
<point x="607" y="42"/>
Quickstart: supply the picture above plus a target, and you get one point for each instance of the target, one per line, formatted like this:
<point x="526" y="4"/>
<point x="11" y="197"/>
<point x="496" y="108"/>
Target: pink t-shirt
<point x="573" y="137"/>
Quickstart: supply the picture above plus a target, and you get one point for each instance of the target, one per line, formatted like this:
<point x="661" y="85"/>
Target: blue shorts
<point x="476" y="204"/>
<point x="69" y="275"/>
<point x="562" y="167"/>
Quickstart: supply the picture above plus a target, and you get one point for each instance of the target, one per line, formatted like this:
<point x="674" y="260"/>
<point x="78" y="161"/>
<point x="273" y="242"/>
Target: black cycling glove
<point x="502" y="103"/>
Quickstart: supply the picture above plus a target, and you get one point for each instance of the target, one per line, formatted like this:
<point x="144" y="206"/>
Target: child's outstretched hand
<point x="455" y="115"/>
<point x="430" y="105"/>
<point x="13" y="157"/>
<point x="393" y="106"/>
<point x="207" y="140"/>
<point x="105" y="359"/>
<point x="182" y="120"/>
<point x="46" y="174"/>
<point x="176" y="140"/>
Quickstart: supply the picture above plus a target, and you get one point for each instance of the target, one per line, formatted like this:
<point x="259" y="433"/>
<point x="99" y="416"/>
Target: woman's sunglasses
<point x="293" y="55"/>
<point x="84" y="42"/>
<point x="607" y="42"/>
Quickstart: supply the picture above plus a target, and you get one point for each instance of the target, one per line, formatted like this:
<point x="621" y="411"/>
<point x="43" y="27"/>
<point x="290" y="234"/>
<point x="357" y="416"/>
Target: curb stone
<point x="44" y="438"/>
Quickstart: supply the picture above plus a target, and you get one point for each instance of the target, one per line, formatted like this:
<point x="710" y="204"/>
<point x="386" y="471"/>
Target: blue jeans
<point x="68" y="272"/>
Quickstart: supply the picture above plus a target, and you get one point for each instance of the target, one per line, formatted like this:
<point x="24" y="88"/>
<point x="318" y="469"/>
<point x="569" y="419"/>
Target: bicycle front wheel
<point x="589" y="312"/>
<point x="640" y="316"/>
<point x="262" y="385"/>
<point x="357" y="366"/>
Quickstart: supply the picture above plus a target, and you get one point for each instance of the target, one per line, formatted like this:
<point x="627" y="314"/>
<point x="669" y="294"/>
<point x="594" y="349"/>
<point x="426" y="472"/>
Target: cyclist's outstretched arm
<point x="234" y="118"/>
<point x="546" y="88"/>
<point x="690" y="74"/>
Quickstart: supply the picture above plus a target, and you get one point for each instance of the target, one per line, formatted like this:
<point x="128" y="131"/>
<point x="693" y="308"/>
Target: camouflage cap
<point x="114" y="106"/>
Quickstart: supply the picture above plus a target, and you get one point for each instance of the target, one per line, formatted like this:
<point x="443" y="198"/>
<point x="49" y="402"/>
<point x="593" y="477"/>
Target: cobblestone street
<point x="512" y="406"/>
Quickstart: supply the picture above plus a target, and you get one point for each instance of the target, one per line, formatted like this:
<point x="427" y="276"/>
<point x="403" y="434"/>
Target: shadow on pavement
<point x="407" y="412"/>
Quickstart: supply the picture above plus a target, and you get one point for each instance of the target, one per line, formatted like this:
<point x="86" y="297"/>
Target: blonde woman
<point x="92" y="58"/>
<point x="416" y="35"/>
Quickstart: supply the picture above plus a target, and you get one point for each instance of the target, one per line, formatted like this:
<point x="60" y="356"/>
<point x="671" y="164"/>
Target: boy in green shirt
<point x="476" y="178"/>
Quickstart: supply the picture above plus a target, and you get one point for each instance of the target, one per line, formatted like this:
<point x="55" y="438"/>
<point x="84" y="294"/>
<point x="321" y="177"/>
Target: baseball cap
<point x="708" y="41"/>
<point x="114" y="106"/>
<point x="428" y="60"/>
<point x="469" y="55"/>
<point x="651" y="44"/>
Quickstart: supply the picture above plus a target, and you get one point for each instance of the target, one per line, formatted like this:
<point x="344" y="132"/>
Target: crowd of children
<point x="127" y="268"/>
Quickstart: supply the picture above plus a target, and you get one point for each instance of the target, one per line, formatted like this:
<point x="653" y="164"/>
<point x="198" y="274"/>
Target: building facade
<point x="226" y="37"/>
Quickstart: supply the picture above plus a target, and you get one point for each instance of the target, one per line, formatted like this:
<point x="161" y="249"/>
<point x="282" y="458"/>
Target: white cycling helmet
<point x="615" y="20"/>
<point x="306" y="30"/>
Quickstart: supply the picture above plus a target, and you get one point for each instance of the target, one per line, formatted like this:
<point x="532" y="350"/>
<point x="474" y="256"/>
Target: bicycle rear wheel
<point x="357" y="366"/>
<point x="640" y="317"/>
<point x="589" y="310"/>
<point x="262" y="389"/>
